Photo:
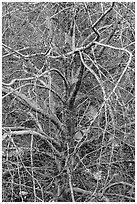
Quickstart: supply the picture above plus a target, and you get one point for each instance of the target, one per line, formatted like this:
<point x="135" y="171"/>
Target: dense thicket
<point x="68" y="101"/>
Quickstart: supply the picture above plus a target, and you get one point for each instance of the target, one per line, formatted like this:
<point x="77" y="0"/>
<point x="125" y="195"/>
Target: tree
<point x="68" y="101"/>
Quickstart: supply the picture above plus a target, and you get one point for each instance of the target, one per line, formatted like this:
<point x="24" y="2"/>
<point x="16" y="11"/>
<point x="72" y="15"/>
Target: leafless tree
<point x="68" y="101"/>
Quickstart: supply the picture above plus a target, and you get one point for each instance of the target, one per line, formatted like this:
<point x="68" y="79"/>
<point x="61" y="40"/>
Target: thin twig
<point x="70" y="185"/>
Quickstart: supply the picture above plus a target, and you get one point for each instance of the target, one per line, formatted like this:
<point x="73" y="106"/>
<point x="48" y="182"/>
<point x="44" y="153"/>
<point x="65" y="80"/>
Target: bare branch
<point x="33" y="105"/>
<point x="76" y="88"/>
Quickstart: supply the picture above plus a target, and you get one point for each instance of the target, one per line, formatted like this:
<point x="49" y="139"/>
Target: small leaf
<point x="78" y="136"/>
<point x="97" y="175"/>
<point x="68" y="39"/>
<point x="105" y="198"/>
<point x="23" y="193"/>
<point x="4" y="136"/>
<point x="91" y="112"/>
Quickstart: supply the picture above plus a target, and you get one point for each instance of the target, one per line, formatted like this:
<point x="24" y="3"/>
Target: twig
<point x="118" y="183"/>
<point x="70" y="185"/>
<point x="79" y="190"/>
<point x="20" y="50"/>
<point x="130" y="58"/>
<point x="32" y="104"/>
<point x="96" y="23"/>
